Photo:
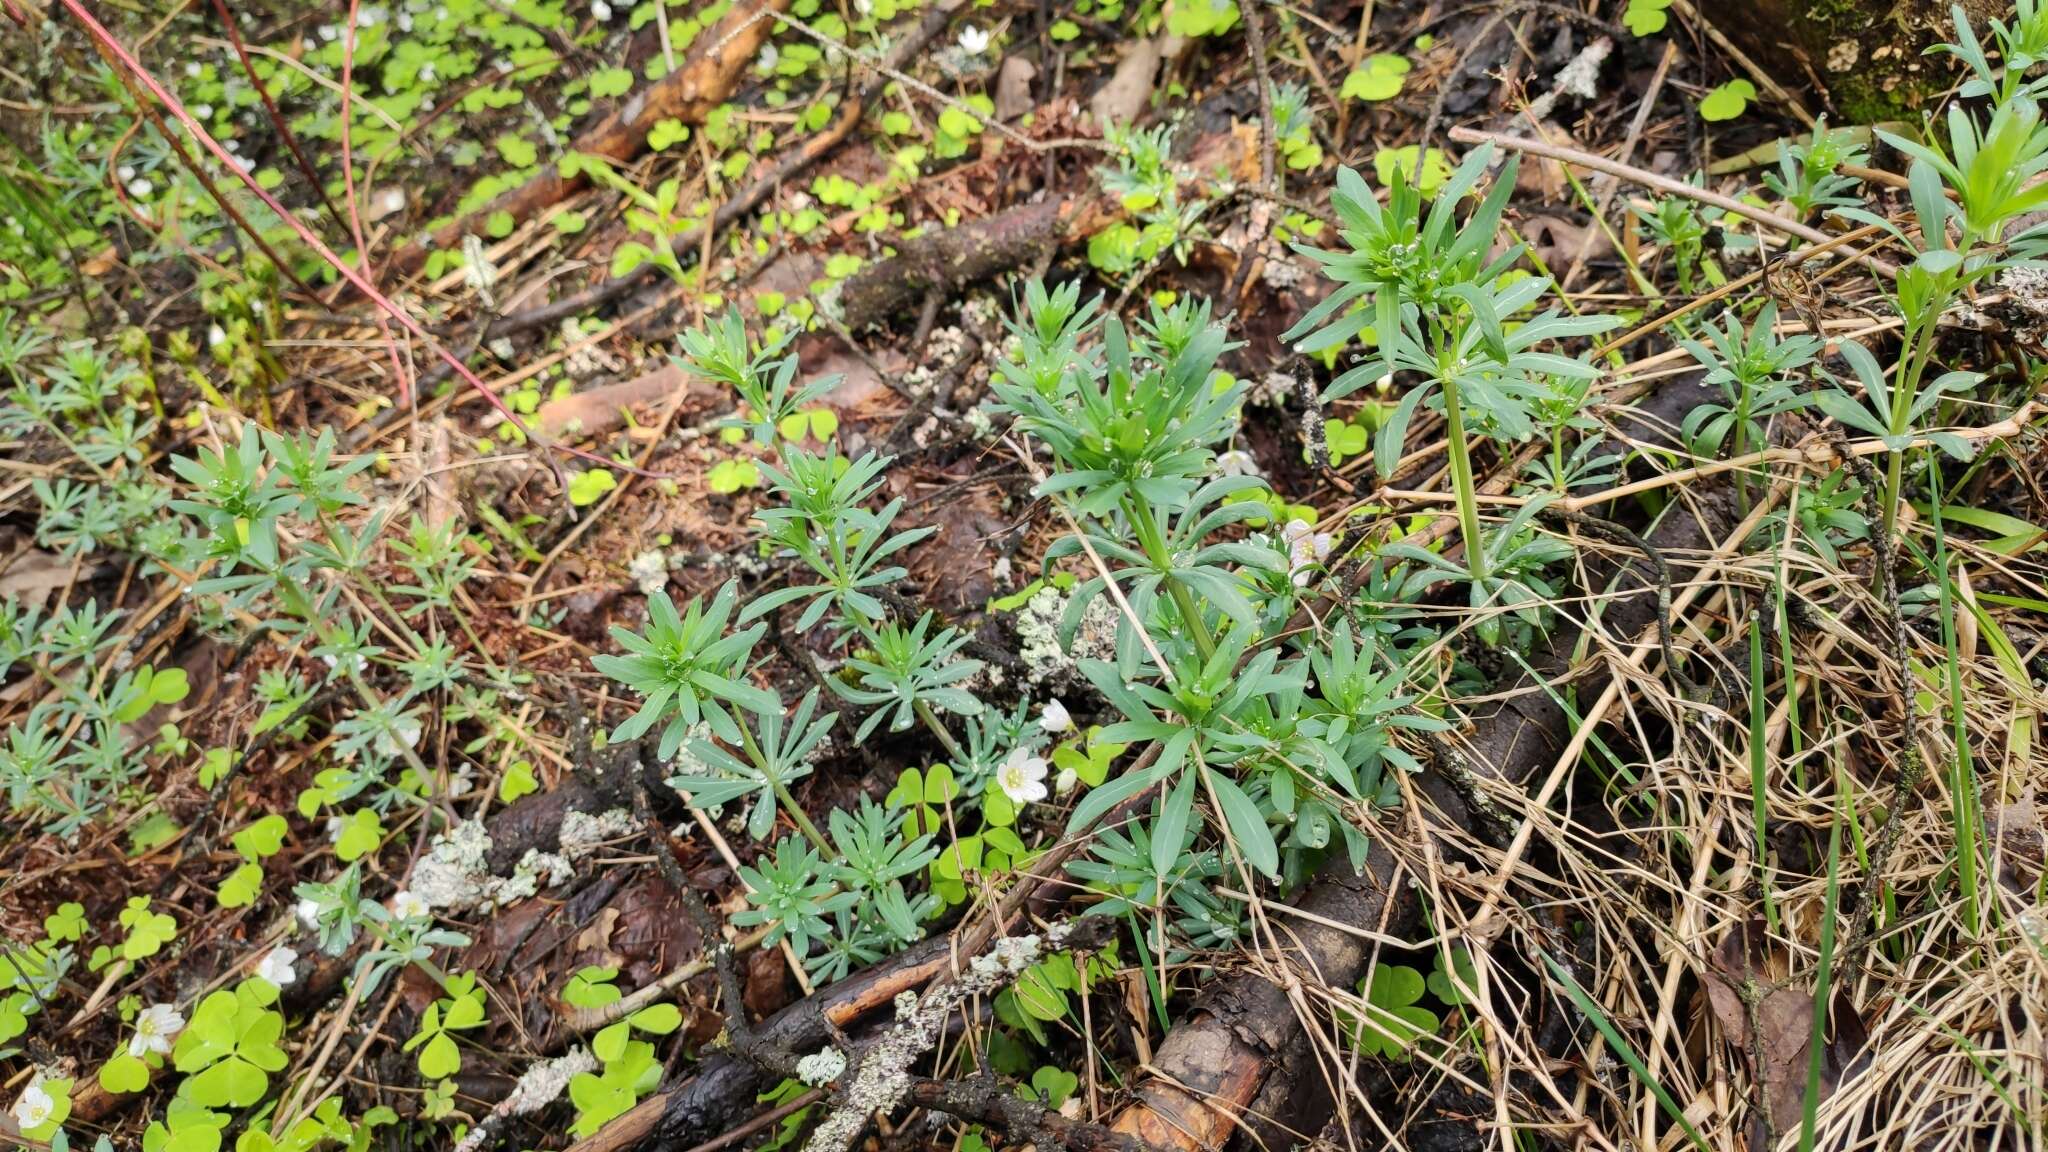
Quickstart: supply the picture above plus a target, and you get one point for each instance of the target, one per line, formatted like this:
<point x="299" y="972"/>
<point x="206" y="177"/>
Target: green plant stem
<point x="789" y="804"/>
<point x="1154" y="543"/>
<point x="803" y="822"/>
<point x="931" y="721"/>
<point x="1461" y="482"/>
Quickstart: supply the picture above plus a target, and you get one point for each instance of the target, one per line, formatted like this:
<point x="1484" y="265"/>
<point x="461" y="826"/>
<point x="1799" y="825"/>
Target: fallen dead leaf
<point x="1124" y="95"/>
<point x="600" y="410"/>
<point x="1784" y="1024"/>
<point x="1555" y="240"/>
<point x="1013" y="87"/>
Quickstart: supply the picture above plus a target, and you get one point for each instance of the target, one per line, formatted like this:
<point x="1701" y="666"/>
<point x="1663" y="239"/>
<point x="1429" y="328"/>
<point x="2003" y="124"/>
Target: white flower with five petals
<point x="1022" y="777"/>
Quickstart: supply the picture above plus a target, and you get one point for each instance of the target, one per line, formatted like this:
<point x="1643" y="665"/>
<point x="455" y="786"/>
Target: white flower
<point x="1065" y="781"/>
<point x="308" y="912"/>
<point x="215" y="337"/>
<point x="973" y="41"/>
<point x="276" y="966"/>
<point x="126" y="172"/>
<point x="407" y="904"/>
<point x="140" y="188"/>
<point x="1054" y="717"/>
<point x="1237" y="462"/>
<point x="600" y="11"/>
<point x="769" y="58"/>
<point x="202" y="111"/>
<point x="1306" y="548"/>
<point x="403" y="734"/>
<point x="155" y="1028"/>
<point x="1022" y="777"/>
<point x="34" y="1108"/>
<point x="192" y="69"/>
<point x="427" y="72"/>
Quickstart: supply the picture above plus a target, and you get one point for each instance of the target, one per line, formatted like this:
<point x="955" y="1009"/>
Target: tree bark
<point x="1867" y="56"/>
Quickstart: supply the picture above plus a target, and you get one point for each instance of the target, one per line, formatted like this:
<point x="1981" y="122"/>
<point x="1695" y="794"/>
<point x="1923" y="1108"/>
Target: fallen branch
<point x="1664" y="184"/>
<point x="706" y="80"/>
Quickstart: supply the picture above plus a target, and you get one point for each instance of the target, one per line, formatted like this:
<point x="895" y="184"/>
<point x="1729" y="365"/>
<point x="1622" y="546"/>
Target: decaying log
<point x="1206" y="1076"/>
<point x="943" y="259"/>
<point x="704" y="81"/>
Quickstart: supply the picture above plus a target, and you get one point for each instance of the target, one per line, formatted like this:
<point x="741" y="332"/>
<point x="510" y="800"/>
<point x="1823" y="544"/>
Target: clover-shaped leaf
<point x="729" y="476"/>
<point x="1645" y="17"/>
<point x="1728" y="101"/>
<point x="821" y="423"/>
<point x="587" y="486"/>
<point x="230" y="1046"/>
<point x="66" y="923"/>
<point x="591" y="987"/>
<point x="1344" y="439"/>
<point x="148" y="931"/>
<point x="1444" y="987"/>
<point x="1380" y="77"/>
<point x="607" y="82"/>
<point x="1392" y="1022"/>
<point x="260" y="839"/>
<point x="1052" y="1085"/>
<point x="242" y="886"/>
<point x="1390" y="163"/>
<point x="360" y="835"/>
<point x="124" y="1073"/>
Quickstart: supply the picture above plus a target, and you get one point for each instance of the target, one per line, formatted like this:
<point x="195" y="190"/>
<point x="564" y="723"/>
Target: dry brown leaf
<point x="1784" y="1025"/>
<point x="599" y="410"/>
<point x="1013" y="87"/>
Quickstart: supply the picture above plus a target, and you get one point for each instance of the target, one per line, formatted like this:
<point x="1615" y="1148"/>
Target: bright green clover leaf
<point x="499" y="224"/>
<point x="187" y="1126"/>
<point x="151" y="688"/>
<point x="585" y="487"/>
<point x="360" y="835"/>
<point x="1450" y="991"/>
<point x="242" y="886"/>
<point x="1345" y="440"/>
<point x="1053" y="1086"/>
<point x="924" y="793"/>
<point x="667" y="132"/>
<point x="14" y="1012"/>
<point x="1436" y="167"/>
<point x="1728" y="101"/>
<point x="820" y="423"/>
<point x="66" y="923"/>
<point x="729" y="476"/>
<point x="517" y="150"/>
<point x="608" y="82"/>
<point x="1381" y="77"/>
<point x="439" y="1057"/>
<point x="1645" y="17"/>
<point x="230" y="1046"/>
<point x="124" y="1073"/>
<point x="148" y="931"/>
<point x="591" y="987"/>
<point x="1392" y="1021"/>
<point x="261" y="839"/>
<point x="518" y="781"/>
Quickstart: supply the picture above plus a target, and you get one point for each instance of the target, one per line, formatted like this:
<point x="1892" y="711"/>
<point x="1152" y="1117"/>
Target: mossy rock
<point x="1869" y="55"/>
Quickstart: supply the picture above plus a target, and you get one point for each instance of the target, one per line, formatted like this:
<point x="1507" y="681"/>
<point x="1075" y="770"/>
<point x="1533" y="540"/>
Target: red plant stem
<point x="348" y="191"/>
<point x="291" y="141"/>
<point x="306" y="235"/>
